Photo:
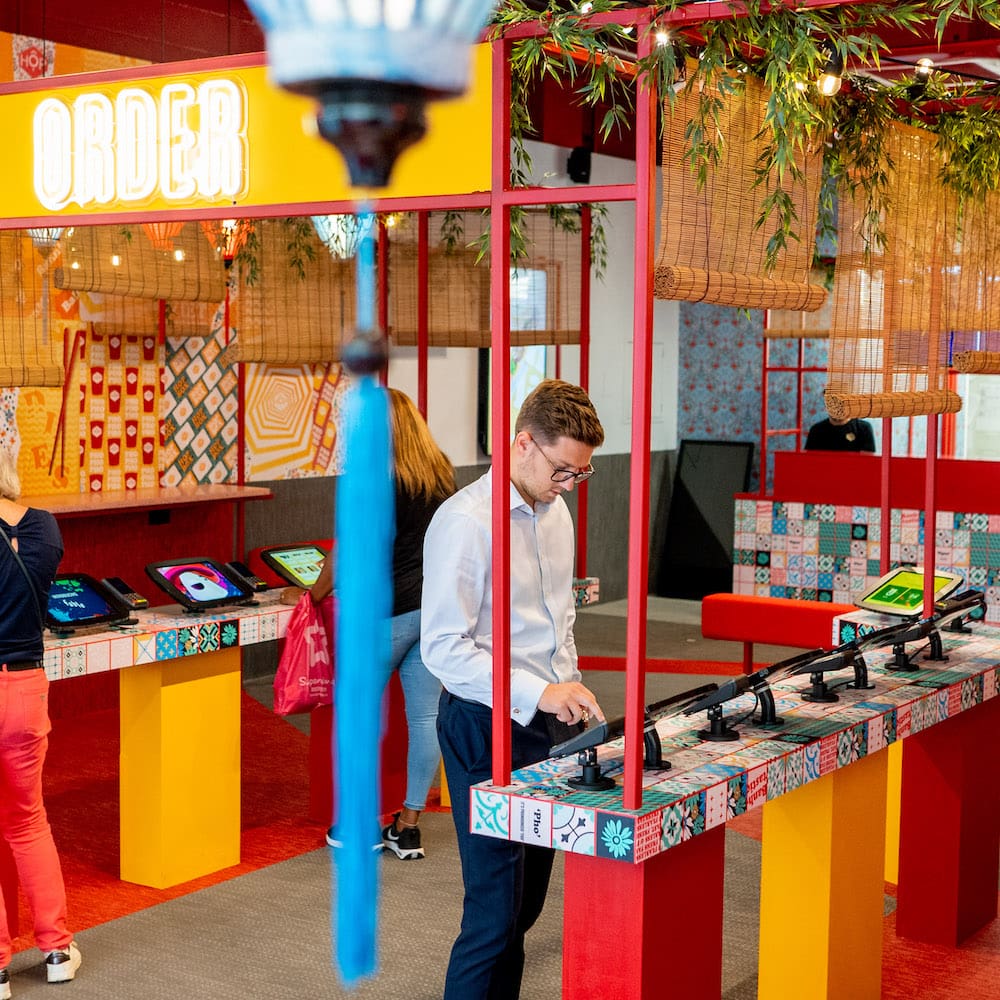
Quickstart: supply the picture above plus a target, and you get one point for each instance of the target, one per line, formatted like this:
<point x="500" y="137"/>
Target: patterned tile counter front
<point x="711" y="782"/>
<point x="166" y="633"/>
<point x="831" y="552"/>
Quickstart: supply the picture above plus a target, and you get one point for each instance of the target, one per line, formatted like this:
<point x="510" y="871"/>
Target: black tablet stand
<point x="768" y="714"/>
<point x="590" y="779"/>
<point x="718" y="729"/>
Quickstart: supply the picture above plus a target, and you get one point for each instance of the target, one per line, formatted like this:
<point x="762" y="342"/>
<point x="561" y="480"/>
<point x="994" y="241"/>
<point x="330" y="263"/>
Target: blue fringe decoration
<point x="365" y="528"/>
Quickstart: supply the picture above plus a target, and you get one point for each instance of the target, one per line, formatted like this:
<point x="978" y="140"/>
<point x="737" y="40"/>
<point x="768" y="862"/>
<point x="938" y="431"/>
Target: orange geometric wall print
<point x="292" y="416"/>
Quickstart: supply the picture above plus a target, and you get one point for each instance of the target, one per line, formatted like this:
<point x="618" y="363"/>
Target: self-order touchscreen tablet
<point x="79" y="601"/>
<point x="198" y="583"/>
<point x="298" y="564"/>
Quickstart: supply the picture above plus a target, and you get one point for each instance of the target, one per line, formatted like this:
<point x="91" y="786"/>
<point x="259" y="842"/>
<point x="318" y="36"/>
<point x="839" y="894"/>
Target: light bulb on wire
<point x="831" y="77"/>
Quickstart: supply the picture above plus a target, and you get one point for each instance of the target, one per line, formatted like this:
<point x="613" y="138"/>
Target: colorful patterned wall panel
<point x="201" y="407"/>
<point x="832" y="553"/>
<point x="292" y="420"/>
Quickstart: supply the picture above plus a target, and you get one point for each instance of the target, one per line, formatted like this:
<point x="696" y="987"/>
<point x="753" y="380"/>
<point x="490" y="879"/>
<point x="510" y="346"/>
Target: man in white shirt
<point x="556" y="433"/>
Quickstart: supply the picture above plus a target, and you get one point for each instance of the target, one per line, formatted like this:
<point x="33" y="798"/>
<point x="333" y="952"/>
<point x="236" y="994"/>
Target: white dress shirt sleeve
<point x="456" y="614"/>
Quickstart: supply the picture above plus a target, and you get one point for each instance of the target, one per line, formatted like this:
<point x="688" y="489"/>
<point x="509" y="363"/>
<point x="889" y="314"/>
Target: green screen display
<point x="904" y="592"/>
<point x="299" y="565"/>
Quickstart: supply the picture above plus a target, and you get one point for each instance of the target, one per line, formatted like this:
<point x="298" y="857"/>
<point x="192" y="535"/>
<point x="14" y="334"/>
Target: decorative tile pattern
<point x="160" y="636"/>
<point x="573" y="829"/>
<point x="710" y="783"/>
<point x="490" y="814"/>
<point x="846" y="547"/>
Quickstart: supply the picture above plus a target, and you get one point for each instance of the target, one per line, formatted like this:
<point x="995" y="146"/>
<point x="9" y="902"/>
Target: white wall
<point x="452" y="372"/>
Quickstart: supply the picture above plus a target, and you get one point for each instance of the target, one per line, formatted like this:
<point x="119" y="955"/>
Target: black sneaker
<point x="4" y="984"/>
<point x="61" y="966"/>
<point x="405" y="843"/>
<point x="333" y="840"/>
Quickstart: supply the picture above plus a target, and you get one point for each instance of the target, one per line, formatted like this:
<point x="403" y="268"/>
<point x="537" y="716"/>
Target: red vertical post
<point x="948" y="867"/>
<point x="644" y="935"/>
<point x="642" y="362"/>
<point x="382" y="288"/>
<point x="582" y="508"/>
<point x="885" y="534"/>
<point x="500" y="416"/>
<point x="930" y="512"/>
<point x="423" y="310"/>
<point x="765" y="376"/>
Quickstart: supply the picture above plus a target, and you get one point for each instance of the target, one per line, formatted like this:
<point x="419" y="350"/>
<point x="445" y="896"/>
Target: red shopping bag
<point x="304" y="679"/>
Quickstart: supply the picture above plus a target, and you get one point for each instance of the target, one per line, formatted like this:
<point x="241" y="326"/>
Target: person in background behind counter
<point x="30" y="550"/>
<point x="424" y="479"/>
<point x="840" y="435"/>
<point x="506" y="882"/>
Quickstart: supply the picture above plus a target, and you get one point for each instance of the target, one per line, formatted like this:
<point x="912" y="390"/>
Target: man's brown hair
<point x="556" y="409"/>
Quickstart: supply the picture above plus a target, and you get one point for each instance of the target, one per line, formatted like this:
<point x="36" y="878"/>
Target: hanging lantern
<point x="372" y="67"/>
<point x="342" y="234"/>
<point x="227" y="236"/>
<point x="46" y="238"/>
<point x="161" y="234"/>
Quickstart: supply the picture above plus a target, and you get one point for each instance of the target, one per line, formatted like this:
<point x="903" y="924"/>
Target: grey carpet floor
<point x="267" y="935"/>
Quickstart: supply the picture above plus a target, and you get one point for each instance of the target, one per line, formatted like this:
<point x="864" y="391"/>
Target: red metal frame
<point x="423" y="310"/>
<point x="500" y="416"/>
<point x="502" y="197"/>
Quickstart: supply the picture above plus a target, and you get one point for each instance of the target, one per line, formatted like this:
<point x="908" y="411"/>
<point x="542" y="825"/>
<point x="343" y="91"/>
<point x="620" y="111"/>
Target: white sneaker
<point x="61" y="966"/>
<point x="4" y="984"/>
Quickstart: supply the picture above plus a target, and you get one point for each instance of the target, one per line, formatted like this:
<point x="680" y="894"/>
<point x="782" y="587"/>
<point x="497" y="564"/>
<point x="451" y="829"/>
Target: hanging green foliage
<point x="786" y="47"/>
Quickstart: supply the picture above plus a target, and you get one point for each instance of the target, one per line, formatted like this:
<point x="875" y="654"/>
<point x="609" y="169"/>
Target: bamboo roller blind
<point x="711" y="249"/>
<point x="545" y="286"/>
<point x="888" y="352"/>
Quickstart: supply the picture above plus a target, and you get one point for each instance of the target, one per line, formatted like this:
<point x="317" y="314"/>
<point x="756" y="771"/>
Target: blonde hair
<point x="422" y="469"/>
<point x="10" y="483"/>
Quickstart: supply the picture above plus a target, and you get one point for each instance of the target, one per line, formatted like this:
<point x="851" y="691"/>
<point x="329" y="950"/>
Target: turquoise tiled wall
<point x="831" y="553"/>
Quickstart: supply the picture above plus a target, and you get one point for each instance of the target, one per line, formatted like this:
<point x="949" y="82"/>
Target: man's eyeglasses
<point x="565" y="475"/>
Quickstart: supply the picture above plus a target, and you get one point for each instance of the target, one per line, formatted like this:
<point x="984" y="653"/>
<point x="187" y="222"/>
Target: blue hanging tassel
<point x="365" y="527"/>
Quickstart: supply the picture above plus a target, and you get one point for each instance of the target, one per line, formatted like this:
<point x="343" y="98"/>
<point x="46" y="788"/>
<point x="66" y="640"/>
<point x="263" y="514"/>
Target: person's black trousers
<point x="505" y="882"/>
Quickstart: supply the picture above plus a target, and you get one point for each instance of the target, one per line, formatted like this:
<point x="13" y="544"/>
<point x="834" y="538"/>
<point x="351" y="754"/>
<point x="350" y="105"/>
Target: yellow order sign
<point x="211" y="135"/>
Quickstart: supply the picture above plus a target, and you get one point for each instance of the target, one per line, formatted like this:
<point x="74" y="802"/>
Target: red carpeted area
<point x="81" y="794"/>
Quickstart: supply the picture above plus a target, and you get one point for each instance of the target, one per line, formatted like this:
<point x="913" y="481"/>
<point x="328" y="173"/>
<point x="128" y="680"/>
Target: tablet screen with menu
<point x="79" y="601"/>
<point x="901" y="591"/>
<point x="298" y="564"/>
<point x="197" y="584"/>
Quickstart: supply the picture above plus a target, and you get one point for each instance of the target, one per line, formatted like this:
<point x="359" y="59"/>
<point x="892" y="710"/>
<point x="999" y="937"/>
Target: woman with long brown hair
<point x="424" y="480"/>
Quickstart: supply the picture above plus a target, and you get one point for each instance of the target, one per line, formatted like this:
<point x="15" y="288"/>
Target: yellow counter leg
<point x="445" y="794"/>
<point x="180" y="768"/>
<point x="893" y="792"/>
<point x="821" y="890"/>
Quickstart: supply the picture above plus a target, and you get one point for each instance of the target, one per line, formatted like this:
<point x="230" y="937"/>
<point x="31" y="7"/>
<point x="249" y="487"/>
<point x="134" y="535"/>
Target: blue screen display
<point x="74" y="600"/>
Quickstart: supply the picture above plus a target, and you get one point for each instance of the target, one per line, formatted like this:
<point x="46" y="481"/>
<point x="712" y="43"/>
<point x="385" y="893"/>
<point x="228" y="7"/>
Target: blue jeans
<point x="505" y="882"/>
<point x="421" y="690"/>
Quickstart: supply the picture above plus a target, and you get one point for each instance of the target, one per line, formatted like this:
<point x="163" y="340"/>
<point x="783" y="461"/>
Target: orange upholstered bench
<point x="775" y="621"/>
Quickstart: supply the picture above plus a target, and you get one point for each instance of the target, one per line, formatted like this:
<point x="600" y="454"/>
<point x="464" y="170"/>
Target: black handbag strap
<point x="27" y="576"/>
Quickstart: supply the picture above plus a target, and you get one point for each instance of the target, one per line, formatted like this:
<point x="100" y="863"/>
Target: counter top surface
<point x="712" y="782"/>
<point x="143" y="499"/>
<point x="166" y="633"/>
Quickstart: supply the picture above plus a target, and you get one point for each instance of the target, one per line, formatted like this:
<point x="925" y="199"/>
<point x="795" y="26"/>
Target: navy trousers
<point x="505" y="882"/>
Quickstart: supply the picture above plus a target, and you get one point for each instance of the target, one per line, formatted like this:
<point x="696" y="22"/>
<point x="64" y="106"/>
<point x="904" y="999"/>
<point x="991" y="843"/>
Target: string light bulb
<point x="831" y="77"/>
<point x="923" y="69"/>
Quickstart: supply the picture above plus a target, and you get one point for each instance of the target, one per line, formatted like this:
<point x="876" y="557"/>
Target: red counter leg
<point x="8" y="888"/>
<point x="623" y="924"/>
<point x="949" y="842"/>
